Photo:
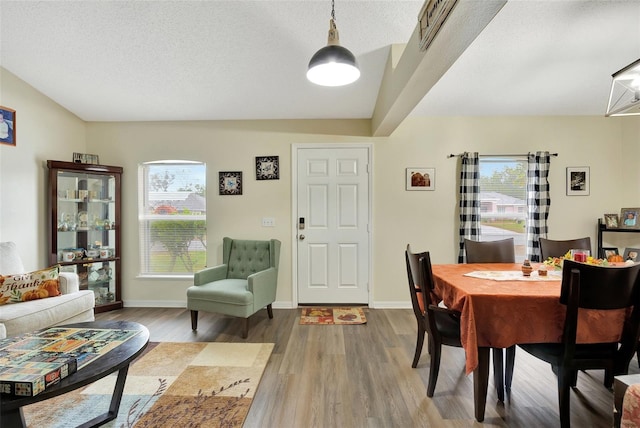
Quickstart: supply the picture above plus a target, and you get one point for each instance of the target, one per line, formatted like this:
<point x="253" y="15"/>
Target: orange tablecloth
<point x="504" y="313"/>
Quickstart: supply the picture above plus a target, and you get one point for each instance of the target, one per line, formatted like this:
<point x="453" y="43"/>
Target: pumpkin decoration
<point x="615" y="258"/>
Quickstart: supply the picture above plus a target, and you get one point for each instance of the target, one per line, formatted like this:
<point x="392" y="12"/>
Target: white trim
<point x="392" y="305"/>
<point x="183" y="304"/>
<point x="294" y="209"/>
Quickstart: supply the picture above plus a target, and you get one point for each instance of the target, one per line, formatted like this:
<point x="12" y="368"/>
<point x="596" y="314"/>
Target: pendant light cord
<point x="333" y="10"/>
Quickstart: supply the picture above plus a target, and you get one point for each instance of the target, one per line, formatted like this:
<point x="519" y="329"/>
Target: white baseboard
<point x="276" y="304"/>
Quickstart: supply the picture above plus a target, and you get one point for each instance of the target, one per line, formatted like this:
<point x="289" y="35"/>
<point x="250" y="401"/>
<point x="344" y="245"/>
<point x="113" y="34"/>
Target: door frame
<point x="294" y="210"/>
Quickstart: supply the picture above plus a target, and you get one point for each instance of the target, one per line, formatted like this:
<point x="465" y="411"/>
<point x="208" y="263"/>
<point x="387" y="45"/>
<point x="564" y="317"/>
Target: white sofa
<point x="73" y="305"/>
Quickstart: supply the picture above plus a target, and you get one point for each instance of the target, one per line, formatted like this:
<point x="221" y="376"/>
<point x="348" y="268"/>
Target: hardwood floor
<point x="361" y="375"/>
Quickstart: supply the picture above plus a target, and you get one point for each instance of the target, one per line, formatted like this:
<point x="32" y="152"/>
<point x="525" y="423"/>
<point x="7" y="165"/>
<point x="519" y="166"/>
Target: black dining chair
<point x="587" y="286"/>
<point x="441" y="324"/>
<point x="555" y="248"/>
<point x="500" y="251"/>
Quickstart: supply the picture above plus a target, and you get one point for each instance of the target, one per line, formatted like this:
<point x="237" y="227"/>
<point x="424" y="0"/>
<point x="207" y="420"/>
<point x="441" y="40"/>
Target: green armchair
<point x="245" y="283"/>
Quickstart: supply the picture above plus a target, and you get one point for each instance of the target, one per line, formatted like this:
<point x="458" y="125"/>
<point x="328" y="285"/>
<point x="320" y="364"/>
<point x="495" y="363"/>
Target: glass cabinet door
<point x="85" y="223"/>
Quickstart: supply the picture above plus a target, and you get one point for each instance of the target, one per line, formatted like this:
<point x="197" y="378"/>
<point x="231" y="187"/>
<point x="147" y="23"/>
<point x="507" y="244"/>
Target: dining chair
<point x="500" y="251"/>
<point x="441" y="324"/>
<point x="586" y="286"/>
<point x="555" y="248"/>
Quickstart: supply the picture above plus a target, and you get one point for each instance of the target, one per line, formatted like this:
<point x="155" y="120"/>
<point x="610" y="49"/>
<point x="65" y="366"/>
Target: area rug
<point x="189" y="384"/>
<point x="329" y="316"/>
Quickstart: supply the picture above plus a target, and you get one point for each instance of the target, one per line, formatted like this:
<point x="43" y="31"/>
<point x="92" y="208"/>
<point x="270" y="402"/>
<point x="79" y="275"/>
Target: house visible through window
<point x="172" y="213"/>
<point x="503" y="211"/>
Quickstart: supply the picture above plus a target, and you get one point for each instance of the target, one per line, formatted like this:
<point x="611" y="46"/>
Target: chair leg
<point x="194" y="320"/>
<point x="508" y="371"/>
<point x="245" y="329"/>
<point x="419" y="343"/>
<point x="498" y="372"/>
<point x="565" y="378"/>
<point x="434" y="368"/>
<point x="270" y="311"/>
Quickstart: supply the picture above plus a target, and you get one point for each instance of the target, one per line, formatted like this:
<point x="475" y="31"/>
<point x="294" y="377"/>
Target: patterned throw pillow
<point x="22" y="287"/>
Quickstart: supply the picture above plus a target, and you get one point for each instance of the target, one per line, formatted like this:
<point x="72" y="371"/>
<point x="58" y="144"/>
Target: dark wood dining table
<point x="510" y="310"/>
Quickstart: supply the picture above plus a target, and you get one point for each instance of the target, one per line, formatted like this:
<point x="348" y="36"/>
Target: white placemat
<point x="515" y="275"/>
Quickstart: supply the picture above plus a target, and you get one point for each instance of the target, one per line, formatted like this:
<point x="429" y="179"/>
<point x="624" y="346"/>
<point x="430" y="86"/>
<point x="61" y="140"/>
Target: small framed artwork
<point x="611" y="221"/>
<point x="631" y="254"/>
<point x="421" y="178"/>
<point x="86" y="158"/>
<point x="629" y="218"/>
<point x="578" y="181"/>
<point x="609" y="251"/>
<point x="230" y="182"/>
<point x="7" y="126"/>
<point x="267" y="168"/>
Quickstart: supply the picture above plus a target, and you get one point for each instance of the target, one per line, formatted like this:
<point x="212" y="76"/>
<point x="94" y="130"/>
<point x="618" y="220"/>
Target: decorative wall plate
<point x="267" y="168"/>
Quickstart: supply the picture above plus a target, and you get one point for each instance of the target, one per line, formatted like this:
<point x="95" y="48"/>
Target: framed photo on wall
<point x="578" y="181"/>
<point x="7" y="126"/>
<point x="421" y="178"/>
<point x="267" y="168"/>
<point x="230" y="182"/>
<point x="630" y="218"/>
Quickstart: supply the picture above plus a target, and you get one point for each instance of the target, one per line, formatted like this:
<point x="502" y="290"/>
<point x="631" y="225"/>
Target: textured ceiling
<point x="217" y="60"/>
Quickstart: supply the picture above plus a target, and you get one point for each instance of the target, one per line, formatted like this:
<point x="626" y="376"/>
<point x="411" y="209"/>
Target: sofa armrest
<point x="211" y="274"/>
<point x="69" y="282"/>
<point x="263" y="285"/>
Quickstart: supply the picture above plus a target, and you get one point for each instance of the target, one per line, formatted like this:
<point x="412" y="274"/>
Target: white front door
<point x="332" y="225"/>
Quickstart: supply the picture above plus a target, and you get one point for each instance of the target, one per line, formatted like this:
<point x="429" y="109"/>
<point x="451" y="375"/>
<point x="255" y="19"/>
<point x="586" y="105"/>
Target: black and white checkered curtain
<point x="538" y="202"/>
<point x="469" y="200"/>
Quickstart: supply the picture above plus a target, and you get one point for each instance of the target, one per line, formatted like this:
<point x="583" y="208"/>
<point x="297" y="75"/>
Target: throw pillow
<point x="22" y="287"/>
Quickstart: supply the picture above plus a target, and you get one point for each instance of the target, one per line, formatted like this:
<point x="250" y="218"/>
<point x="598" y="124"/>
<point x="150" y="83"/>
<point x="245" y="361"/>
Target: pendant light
<point x="333" y="65"/>
<point x="624" y="98"/>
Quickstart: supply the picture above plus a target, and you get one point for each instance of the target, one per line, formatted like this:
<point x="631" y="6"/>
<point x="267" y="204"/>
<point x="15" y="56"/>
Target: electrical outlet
<point x="268" y="222"/>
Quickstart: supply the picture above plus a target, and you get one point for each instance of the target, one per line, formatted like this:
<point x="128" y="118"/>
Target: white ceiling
<point x="219" y="60"/>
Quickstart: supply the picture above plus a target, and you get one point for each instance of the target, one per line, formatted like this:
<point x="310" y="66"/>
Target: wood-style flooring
<point x="361" y="375"/>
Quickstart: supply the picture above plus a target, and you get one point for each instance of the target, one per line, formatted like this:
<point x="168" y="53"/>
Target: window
<point x="503" y="200"/>
<point x="172" y="214"/>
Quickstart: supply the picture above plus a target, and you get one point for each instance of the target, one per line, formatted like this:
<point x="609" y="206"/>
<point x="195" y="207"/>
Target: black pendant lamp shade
<point x="333" y="65"/>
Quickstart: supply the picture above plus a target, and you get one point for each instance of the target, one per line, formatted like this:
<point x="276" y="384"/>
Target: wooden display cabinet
<point x="85" y="209"/>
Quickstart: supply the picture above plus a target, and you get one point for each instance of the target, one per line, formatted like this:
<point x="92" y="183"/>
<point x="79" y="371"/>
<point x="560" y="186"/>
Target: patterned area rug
<point x="328" y="316"/>
<point x="173" y="384"/>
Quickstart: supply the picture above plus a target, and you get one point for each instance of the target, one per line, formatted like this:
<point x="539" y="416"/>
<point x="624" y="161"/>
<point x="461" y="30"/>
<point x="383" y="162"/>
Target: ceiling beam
<point x="409" y="78"/>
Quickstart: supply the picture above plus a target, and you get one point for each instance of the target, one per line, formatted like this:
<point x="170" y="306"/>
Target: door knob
<point x="301" y="237"/>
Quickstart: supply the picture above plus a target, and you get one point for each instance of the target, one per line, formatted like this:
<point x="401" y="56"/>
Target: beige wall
<point x="44" y="131"/>
<point x="427" y="220"/>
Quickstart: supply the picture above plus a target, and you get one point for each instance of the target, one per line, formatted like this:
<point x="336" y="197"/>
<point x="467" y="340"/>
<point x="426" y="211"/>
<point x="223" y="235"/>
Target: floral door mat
<point x="330" y="316"/>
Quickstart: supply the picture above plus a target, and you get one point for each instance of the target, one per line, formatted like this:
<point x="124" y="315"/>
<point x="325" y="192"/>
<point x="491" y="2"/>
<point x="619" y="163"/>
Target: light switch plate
<point x="268" y="222"/>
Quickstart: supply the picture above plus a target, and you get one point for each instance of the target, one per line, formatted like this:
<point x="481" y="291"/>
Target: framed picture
<point x="230" y="182"/>
<point x="86" y="158"/>
<point x="267" y="168"/>
<point x="421" y="178"/>
<point x="611" y="221"/>
<point x="629" y="218"/>
<point x="631" y="254"/>
<point x="578" y="181"/>
<point x="609" y="251"/>
<point x="7" y="126"/>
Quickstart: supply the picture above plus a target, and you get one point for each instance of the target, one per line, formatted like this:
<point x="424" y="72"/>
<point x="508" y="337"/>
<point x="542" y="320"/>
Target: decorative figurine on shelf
<point x="527" y="268"/>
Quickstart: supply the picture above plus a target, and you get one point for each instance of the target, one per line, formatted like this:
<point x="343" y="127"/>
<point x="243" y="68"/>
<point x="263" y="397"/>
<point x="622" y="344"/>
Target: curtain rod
<point x="497" y="156"/>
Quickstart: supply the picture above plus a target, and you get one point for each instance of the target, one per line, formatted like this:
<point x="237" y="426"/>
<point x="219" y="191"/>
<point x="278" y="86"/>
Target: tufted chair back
<point x="246" y="257"/>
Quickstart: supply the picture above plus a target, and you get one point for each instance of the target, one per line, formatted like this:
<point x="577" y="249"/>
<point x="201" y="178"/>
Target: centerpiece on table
<point x="556" y="262"/>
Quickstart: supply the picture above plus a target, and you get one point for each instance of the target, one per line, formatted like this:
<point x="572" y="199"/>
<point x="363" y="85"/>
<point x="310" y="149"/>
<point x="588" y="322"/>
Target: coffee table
<point x="118" y="359"/>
